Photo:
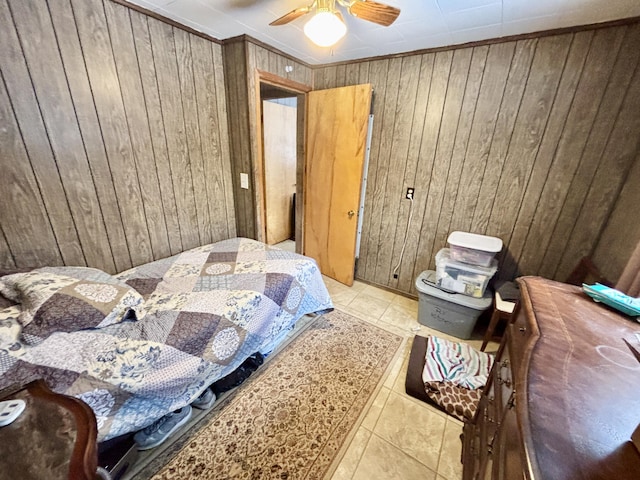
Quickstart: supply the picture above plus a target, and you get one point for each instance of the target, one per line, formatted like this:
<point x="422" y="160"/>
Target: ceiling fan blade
<point x="291" y="16"/>
<point x="374" y="12"/>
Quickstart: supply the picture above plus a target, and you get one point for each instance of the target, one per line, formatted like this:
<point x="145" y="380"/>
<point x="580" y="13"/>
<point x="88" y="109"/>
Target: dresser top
<point x="579" y="392"/>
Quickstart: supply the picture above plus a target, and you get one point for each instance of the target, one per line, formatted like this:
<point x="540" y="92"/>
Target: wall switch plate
<point x="409" y="194"/>
<point x="244" y="180"/>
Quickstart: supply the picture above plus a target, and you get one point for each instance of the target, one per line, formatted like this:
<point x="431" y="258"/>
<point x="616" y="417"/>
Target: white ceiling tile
<point x="430" y="41"/>
<point x="474" y="34"/>
<point x="430" y="26"/>
<point x="519" y="9"/>
<point x="529" y="25"/>
<point x="448" y="6"/>
<point x="421" y="24"/>
<point x="192" y="9"/>
<point x="625" y="8"/>
<point x="475" y="17"/>
<point x="378" y="35"/>
<point x="582" y="16"/>
<point x="363" y="52"/>
<point x="413" y="10"/>
<point x="152" y="4"/>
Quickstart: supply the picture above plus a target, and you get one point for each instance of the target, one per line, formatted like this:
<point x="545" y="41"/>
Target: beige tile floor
<point x="400" y="438"/>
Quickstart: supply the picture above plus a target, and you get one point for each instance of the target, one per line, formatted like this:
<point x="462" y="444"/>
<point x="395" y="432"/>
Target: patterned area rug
<point x="290" y="420"/>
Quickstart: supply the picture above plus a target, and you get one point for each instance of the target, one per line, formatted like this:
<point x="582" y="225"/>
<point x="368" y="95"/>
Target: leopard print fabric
<point x="457" y="401"/>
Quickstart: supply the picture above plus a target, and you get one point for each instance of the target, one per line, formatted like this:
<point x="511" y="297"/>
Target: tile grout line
<point x="404" y="311"/>
<point x="364" y="449"/>
<point x="444" y="431"/>
<point x="386" y="400"/>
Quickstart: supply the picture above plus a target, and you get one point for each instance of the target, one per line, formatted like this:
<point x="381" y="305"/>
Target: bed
<point x="143" y="343"/>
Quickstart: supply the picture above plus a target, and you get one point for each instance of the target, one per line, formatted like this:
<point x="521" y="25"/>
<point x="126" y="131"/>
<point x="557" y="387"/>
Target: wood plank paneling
<point x="424" y="170"/>
<point x="6" y="260"/>
<point x="484" y="123"/>
<point x="593" y="154"/>
<point x="38" y="41"/>
<point x="124" y="52"/>
<point x="148" y="78"/>
<point x="543" y="199"/>
<point x="509" y="107"/>
<point x="18" y="95"/>
<point x="461" y="143"/>
<point x="25" y="224"/>
<point x="444" y="144"/>
<point x="510" y="139"/>
<point x="352" y="74"/>
<point x="530" y="124"/>
<point x="242" y="59"/>
<point x="98" y="54"/>
<point x="126" y="145"/>
<point x="80" y="89"/>
<point x="617" y="160"/>
<point x="399" y="137"/>
<point x="47" y="76"/>
<point x="410" y="173"/>
<point x="223" y="161"/>
<point x="164" y="56"/>
<point x="620" y="235"/>
<point x="371" y="222"/>
<point x="192" y="127"/>
<point x="384" y="164"/>
<point x="102" y="137"/>
<point x="213" y="144"/>
<point x="234" y="55"/>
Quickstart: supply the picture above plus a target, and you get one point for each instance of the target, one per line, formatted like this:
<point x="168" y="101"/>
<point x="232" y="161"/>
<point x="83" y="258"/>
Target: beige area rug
<point x="291" y="418"/>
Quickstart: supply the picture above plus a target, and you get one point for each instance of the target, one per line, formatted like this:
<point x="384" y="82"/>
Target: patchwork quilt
<point x="201" y="314"/>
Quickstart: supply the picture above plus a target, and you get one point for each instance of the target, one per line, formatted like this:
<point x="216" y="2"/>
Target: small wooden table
<point x="502" y="310"/>
<point x="54" y="438"/>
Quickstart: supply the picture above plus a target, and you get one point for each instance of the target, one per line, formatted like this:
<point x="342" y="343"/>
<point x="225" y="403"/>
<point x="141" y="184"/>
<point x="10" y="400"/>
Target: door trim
<point x="300" y="90"/>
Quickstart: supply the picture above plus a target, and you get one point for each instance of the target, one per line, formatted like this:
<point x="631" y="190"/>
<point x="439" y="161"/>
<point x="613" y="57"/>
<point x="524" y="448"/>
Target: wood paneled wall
<point x="243" y="58"/>
<point x="527" y="140"/>
<point x="622" y="231"/>
<point x="114" y="141"/>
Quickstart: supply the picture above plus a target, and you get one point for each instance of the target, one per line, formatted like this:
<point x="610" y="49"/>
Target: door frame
<point x="300" y="91"/>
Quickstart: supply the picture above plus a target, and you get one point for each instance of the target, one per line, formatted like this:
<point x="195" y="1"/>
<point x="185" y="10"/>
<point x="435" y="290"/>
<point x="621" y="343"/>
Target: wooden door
<point x="336" y="136"/>
<point x="279" y="141"/>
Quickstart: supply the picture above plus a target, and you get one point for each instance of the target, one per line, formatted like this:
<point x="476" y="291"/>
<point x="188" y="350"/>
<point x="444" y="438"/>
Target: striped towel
<point x="455" y="362"/>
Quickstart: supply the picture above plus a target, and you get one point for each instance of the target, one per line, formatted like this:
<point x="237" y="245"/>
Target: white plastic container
<point x="473" y="249"/>
<point x="451" y="313"/>
<point x="461" y="277"/>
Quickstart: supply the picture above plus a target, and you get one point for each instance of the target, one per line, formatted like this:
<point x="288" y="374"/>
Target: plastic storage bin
<point x="461" y="277"/>
<point x="473" y="248"/>
<point x="450" y="313"/>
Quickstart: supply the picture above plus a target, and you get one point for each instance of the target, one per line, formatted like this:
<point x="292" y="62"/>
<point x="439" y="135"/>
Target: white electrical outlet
<point x="244" y="180"/>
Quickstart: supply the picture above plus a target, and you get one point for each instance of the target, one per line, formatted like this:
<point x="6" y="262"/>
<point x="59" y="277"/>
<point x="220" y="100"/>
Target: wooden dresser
<point x="564" y="394"/>
<point x="54" y="438"/>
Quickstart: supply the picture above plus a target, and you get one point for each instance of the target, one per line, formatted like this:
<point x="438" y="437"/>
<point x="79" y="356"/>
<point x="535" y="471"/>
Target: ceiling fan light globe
<point x="325" y="29"/>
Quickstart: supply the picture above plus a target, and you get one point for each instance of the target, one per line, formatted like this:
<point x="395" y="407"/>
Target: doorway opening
<point x="279" y="157"/>
<point x="330" y="141"/>
<point x="281" y="106"/>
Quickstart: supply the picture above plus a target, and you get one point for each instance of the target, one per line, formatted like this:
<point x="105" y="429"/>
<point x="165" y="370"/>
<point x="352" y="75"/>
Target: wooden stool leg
<point x="495" y="317"/>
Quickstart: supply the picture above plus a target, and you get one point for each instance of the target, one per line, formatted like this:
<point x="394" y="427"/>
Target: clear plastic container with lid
<point x="450" y="313"/>
<point x="462" y="277"/>
<point x="473" y="248"/>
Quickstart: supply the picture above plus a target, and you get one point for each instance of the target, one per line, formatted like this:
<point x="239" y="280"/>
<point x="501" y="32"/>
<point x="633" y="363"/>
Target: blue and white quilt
<point x="204" y="311"/>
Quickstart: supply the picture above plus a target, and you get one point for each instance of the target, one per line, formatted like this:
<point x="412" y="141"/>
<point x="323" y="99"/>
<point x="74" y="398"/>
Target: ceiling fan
<point x="327" y="25"/>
